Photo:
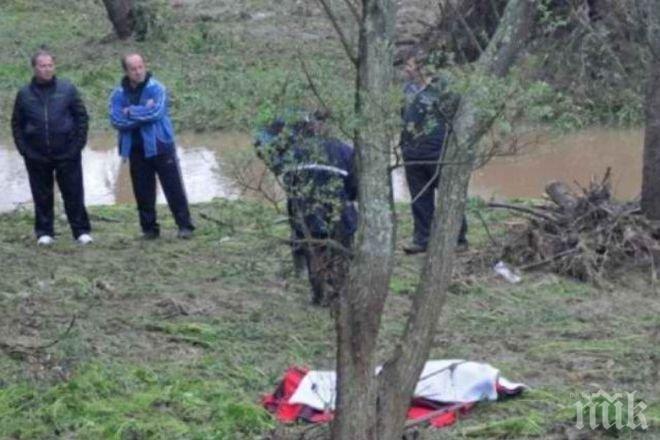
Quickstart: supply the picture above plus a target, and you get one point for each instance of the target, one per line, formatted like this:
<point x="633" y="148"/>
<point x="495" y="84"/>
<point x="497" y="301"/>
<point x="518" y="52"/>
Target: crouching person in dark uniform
<point x="426" y="117"/>
<point x="273" y="144"/>
<point x="49" y="125"/>
<point x="321" y="184"/>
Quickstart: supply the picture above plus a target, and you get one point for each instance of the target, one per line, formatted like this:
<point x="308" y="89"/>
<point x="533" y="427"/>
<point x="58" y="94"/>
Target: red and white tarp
<point x="445" y="389"/>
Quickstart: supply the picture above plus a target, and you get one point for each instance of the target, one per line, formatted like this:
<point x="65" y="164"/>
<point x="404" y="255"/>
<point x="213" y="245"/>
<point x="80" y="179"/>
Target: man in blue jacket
<point x="426" y="117"/>
<point x="49" y="125"/>
<point x="139" y="110"/>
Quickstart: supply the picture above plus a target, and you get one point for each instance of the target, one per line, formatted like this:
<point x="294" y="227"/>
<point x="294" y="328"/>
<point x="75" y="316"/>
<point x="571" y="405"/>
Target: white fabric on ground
<point x="446" y="381"/>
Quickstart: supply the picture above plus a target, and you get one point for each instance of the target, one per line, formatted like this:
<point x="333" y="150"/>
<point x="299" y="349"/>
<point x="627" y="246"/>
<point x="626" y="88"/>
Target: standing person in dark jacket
<point x="49" y="125"/>
<point x="321" y="185"/>
<point x="426" y="118"/>
<point x="139" y="110"/>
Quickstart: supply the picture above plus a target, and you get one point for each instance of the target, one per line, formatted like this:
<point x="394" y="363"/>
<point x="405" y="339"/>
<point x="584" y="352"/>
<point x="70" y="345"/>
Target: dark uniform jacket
<point x="425" y="121"/>
<point x="322" y="184"/>
<point x="319" y="177"/>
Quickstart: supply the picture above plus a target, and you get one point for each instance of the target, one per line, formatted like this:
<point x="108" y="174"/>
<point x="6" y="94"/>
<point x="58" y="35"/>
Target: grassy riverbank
<point x="231" y="64"/>
<point x="223" y="62"/>
<point x="171" y="339"/>
<point x="178" y="339"/>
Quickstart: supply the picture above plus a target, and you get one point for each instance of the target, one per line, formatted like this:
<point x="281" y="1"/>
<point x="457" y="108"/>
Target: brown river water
<point x="204" y="159"/>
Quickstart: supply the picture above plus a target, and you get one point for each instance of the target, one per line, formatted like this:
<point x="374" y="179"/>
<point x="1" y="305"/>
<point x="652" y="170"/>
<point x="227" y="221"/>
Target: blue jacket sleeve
<point x="144" y="113"/>
<point x="116" y="113"/>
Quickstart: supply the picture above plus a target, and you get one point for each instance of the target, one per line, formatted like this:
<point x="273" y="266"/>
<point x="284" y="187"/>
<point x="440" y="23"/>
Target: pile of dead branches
<point x="585" y="235"/>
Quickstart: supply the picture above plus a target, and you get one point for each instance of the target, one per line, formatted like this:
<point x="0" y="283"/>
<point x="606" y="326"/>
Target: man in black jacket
<point x="49" y="125"/>
<point x="426" y="117"/>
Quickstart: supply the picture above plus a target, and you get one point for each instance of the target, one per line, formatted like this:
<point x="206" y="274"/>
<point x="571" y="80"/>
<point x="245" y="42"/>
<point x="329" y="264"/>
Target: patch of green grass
<point x="121" y="401"/>
<point x="620" y="346"/>
<point x="178" y="339"/>
<point x="403" y="286"/>
<point x="525" y="426"/>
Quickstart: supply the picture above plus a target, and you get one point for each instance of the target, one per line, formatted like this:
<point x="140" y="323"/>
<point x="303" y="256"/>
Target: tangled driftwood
<point x="587" y="236"/>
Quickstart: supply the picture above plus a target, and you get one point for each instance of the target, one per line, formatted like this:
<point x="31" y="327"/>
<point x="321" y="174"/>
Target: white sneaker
<point x="45" y="240"/>
<point x="85" y="239"/>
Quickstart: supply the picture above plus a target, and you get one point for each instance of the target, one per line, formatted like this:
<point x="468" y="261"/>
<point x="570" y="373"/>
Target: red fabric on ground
<point x="447" y="414"/>
<point x="277" y="403"/>
<point x="445" y="419"/>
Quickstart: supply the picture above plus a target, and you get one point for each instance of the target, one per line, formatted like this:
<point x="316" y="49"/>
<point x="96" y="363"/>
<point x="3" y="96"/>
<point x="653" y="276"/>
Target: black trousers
<point x="327" y="264"/>
<point x="143" y="176"/>
<point x="298" y="254"/>
<point x="68" y="172"/>
<point x="422" y="183"/>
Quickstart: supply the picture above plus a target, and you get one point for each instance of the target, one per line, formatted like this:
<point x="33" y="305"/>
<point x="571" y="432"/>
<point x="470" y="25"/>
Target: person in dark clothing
<point x="49" y="126"/>
<point x="273" y="144"/>
<point x="322" y="187"/>
<point x="139" y="110"/>
<point x="321" y="184"/>
<point x="426" y="117"/>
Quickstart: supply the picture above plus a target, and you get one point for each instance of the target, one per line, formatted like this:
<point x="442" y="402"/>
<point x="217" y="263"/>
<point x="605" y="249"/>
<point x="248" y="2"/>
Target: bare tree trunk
<point x="398" y="378"/>
<point x="360" y="305"/>
<point x="461" y="27"/>
<point x="120" y="13"/>
<point x="367" y="407"/>
<point x="651" y="166"/>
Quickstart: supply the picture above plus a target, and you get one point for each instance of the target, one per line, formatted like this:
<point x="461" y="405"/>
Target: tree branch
<point x="495" y="11"/>
<point x="354" y="10"/>
<point x="311" y="83"/>
<point x="467" y="27"/>
<point x="524" y="209"/>
<point x="487" y="229"/>
<point x="317" y="93"/>
<point x="348" y="48"/>
<point x="399" y="376"/>
<point x="508" y="40"/>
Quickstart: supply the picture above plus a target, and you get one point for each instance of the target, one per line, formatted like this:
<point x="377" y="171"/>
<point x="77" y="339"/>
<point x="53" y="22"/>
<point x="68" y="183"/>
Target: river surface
<point x="206" y="158"/>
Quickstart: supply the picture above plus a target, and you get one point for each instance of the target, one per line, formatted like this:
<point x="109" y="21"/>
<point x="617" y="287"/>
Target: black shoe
<point x="414" y="248"/>
<point x="184" y="234"/>
<point x="150" y="235"/>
